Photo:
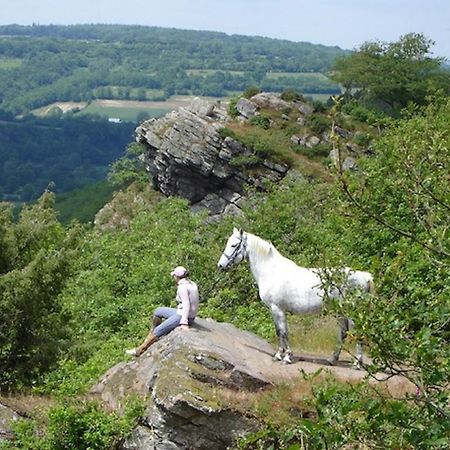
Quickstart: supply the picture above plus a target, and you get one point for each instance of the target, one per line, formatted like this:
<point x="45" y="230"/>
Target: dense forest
<point x="73" y="297"/>
<point x="43" y="64"/>
<point x="67" y="153"/>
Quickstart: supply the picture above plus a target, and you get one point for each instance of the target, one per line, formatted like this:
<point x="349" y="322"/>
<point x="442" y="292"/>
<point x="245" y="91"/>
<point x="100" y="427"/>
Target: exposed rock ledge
<point x="190" y="380"/>
<point x="7" y="418"/>
<point x="187" y="157"/>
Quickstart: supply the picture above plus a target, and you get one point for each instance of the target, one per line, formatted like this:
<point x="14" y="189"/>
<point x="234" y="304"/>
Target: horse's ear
<point x="235" y="230"/>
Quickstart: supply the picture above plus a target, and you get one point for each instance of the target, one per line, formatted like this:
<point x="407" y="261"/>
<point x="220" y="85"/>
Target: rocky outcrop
<point x="191" y="380"/>
<point x="7" y="419"/>
<point x="198" y="386"/>
<point x="186" y="156"/>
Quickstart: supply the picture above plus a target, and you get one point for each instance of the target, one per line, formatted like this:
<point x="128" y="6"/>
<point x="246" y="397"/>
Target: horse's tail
<point x="371" y="286"/>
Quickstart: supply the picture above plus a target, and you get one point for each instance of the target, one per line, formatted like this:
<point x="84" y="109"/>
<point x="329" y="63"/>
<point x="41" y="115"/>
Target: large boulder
<point x="186" y="156"/>
<point x="198" y="386"/>
<point x="189" y="379"/>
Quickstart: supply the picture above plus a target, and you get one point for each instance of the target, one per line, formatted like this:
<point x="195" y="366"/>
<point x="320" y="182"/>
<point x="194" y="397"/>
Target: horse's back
<point x="360" y="279"/>
<point x="292" y="288"/>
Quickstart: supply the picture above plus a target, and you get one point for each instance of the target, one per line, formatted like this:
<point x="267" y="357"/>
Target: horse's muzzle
<point x="222" y="268"/>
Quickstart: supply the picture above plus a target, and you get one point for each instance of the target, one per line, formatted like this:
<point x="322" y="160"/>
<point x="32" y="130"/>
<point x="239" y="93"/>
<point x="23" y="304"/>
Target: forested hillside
<point x="43" y="64"/>
<point x="65" y="153"/>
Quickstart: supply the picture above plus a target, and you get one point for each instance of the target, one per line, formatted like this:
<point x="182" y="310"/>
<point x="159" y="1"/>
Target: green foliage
<point x="83" y="204"/>
<point x="68" y="153"/>
<point x="245" y="161"/>
<point x="403" y="225"/>
<point x="80" y="425"/>
<point x="394" y="74"/>
<point x="36" y="262"/>
<point x="129" y="168"/>
<point x="267" y="144"/>
<point x="251" y="91"/>
<point x="226" y="132"/>
<point x="318" y="123"/>
<point x="390" y="218"/>
<point x="260" y="121"/>
<point x="362" y="139"/>
<point x="290" y="95"/>
<point x="232" y="110"/>
<point x="121" y="278"/>
<point x="320" y="150"/>
<point x="353" y="416"/>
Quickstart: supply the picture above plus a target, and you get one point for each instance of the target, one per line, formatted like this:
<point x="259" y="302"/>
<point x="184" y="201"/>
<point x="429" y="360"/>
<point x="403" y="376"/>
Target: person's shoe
<point x="131" y="352"/>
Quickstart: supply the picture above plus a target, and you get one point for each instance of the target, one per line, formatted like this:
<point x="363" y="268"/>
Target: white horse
<point x="286" y="287"/>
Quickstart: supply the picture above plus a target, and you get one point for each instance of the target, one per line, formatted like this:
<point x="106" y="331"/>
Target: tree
<point x="393" y="73"/>
<point x="401" y="207"/>
<point x="35" y="262"/>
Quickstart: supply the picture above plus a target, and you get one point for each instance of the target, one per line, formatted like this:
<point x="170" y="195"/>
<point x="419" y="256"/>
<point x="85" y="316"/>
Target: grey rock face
<point x="269" y="100"/>
<point x="183" y="376"/>
<point x="7" y="418"/>
<point x="186" y="156"/>
<point x="246" y="108"/>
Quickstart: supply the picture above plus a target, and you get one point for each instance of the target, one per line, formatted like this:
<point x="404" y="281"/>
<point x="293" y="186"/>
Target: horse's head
<point x="235" y="250"/>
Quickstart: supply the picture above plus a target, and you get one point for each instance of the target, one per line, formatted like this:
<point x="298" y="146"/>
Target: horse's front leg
<point x="284" y="352"/>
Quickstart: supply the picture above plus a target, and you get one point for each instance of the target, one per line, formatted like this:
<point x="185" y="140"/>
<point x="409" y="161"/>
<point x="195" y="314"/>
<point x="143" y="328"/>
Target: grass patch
<point x="206" y="72"/>
<point x="299" y="75"/>
<point x="313" y="334"/>
<point x="10" y="63"/>
<point x="125" y="113"/>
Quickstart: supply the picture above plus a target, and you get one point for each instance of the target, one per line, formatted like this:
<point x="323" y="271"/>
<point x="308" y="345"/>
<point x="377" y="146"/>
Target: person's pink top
<point x="187" y="298"/>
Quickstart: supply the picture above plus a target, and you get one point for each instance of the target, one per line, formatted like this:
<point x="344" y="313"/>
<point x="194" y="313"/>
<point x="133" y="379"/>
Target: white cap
<point x="179" y="271"/>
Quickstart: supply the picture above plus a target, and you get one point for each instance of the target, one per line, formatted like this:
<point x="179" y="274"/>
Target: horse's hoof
<point x="330" y="361"/>
<point x="276" y="357"/>
<point x="286" y="361"/>
<point x="358" y="365"/>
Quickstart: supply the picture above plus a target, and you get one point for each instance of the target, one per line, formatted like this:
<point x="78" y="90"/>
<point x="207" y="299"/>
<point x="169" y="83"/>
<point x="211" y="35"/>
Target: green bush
<point x="226" y="132"/>
<point x="260" y="121"/>
<point x="320" y="150"/>
<point x="318" y="123"/>
<point x="251" y="91"/>
<point x="37" y="258"/>
<point x="290" y="95"/>
<point x="362" y="139"/>
<point x="77" y="425"/>
<point x="245" y="161"/>
<point x="232" y="110"/>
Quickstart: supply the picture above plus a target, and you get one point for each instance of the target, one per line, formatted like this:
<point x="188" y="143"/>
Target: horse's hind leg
<point x="284" y="352"/>
<point x="359" y="349"/>
<point x="344" y="326"/>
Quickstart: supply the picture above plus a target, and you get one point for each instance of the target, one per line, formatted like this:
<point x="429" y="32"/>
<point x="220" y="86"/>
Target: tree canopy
<point x="393" y="74"/>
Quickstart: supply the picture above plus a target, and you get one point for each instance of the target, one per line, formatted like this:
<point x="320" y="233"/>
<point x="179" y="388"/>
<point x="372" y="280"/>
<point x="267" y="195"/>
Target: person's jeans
<point x="171" y="322"/>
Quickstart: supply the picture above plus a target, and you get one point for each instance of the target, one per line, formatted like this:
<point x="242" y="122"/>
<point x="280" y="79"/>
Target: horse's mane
<point x="260" y="247"/>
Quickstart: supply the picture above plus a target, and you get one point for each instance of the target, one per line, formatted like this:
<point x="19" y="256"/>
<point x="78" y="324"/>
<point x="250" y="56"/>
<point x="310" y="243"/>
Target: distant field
<point x="127" y="110"/>
<point x="204" y="72"/>
<point x="9" y="63"/>
<point x="300" y="75"/>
